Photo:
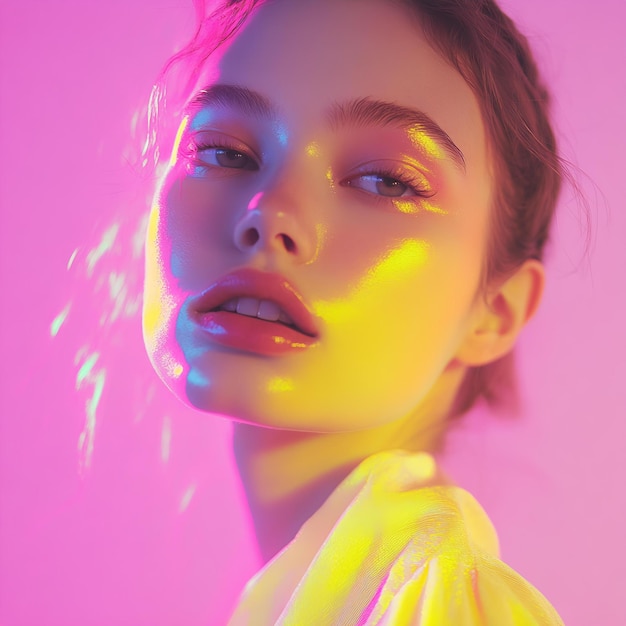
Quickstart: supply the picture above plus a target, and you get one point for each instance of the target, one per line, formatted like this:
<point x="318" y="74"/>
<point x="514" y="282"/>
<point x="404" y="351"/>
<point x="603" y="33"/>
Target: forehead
<point x="305" y="54"/>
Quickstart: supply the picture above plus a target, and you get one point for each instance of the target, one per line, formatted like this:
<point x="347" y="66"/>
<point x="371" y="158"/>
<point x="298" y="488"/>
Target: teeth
<point x="248" y="306"/>
<point x="263" y="309"/>
<point x="283" y="317"/>
<point x="268" y="311"/>
<point x="231" y="305"/>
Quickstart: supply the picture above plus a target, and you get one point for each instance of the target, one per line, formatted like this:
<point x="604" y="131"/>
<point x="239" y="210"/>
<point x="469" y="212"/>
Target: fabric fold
<point x="393" y="547"/>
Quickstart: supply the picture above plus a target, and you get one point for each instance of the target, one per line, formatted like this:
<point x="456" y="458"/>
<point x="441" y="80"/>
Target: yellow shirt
<point x="391" y="547"/>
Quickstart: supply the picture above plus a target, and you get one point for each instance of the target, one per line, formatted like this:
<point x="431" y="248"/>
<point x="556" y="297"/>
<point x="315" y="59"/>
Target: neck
<point x="287" y="475"/>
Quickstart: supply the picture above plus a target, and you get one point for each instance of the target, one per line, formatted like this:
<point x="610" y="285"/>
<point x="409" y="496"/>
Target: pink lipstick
<point x="257" y="312"/>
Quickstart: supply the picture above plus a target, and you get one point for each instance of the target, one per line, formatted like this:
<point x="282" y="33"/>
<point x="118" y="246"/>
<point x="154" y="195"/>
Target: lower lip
<point x="251" y="334"/>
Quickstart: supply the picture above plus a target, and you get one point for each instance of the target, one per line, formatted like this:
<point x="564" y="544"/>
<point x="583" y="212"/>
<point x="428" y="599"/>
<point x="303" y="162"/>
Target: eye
<point x="381" y="185"/>
<point x="391" y="184"/>
<point x="390" y="180"/>
<point x="224" y="156"/>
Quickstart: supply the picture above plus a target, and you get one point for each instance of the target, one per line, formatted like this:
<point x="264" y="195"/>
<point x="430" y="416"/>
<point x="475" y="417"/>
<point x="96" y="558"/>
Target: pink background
<point x="150" y="527"/>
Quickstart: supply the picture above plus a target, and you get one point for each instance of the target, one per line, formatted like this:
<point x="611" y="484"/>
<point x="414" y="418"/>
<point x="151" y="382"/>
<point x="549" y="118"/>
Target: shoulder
<point x="449" y="570"/>
<point x="393" y="547"/>
<point x="446" y="577"/>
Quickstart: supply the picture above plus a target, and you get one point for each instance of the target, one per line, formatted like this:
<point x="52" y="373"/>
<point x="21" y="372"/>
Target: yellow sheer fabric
<point x="390" y="547"/>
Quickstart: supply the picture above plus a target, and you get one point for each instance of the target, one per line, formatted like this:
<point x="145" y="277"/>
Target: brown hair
<point x="494" y="58"/>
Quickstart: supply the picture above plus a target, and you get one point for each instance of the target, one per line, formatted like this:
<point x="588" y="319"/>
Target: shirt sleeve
<point x="390" y="548"/>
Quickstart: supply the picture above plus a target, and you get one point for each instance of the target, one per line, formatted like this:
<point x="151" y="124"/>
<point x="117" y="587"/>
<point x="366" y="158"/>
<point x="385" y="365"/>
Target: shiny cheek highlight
<point x="179" y="135"/>
<point x="160" y="302"/>
<point x="411" y="207"/>
<point x="398" y="264"/>
<point x="279" y="385"/>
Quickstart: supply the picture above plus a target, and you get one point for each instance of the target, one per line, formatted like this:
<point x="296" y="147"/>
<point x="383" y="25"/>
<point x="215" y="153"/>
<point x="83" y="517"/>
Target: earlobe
<point x="502" y="315"/>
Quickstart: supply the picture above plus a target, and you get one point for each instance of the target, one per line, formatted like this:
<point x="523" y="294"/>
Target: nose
<point x="267" y="227"/>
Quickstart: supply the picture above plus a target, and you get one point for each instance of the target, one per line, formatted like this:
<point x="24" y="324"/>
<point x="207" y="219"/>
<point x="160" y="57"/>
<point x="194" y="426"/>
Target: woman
<point x="342" y="251"/>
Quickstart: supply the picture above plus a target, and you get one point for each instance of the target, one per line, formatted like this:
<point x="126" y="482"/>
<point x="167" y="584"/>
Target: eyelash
<point x="414" y="183"/>
<point x="226" y="146"/>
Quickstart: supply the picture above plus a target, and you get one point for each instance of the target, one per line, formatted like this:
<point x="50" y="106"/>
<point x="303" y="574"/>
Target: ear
<point x="498" y="321"/>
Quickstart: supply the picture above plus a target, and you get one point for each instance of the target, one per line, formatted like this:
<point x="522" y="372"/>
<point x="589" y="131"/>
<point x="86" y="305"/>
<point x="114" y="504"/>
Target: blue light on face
<point x="214" y="328"/>
<point x="201" y="119"/>
<point x="281" y="133"/>
<point x="196" y="378"/>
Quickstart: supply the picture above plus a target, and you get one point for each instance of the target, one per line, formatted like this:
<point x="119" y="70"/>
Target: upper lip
<point x="248" y="282"/>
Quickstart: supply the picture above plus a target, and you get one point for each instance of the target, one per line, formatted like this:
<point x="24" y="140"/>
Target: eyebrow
<point x="246" y="100"/>
<point x="357" y="113"/>
<point x="365" y="112"/>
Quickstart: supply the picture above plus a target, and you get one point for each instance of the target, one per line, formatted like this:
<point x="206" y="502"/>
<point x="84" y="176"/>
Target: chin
<point x="242" y="409"/>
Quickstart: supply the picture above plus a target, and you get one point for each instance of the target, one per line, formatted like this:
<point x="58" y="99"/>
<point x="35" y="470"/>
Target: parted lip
<point x="248" y="282"/>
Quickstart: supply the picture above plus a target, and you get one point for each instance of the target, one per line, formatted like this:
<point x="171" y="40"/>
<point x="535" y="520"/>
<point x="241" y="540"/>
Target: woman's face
<point x="332" y="174"/>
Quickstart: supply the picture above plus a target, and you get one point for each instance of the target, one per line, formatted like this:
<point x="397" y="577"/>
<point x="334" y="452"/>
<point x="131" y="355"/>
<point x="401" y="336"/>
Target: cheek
<point x="160" y="304"/>
<point x="175" y="249"/>
<point x="192" y="227"/>
<point x="188" y="245"/>
<point x="406" y="312"/>
<point x="400" y="326"/>
<point x="386" y="341"/>
<point x="199" y="217"/>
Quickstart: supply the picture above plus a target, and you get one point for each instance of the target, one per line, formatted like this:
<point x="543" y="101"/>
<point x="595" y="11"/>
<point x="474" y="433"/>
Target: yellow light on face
<point x="421" y="140"/>
<point x="279" y="385"/>
<point x="171" y="366"/>
<point x="179" y="136"/>
<point x="409" y="207"/>
<point x="157" y="307"/>
<point x="313" y="149"/>
<point x="151" y="317"/>
<point x="320" y="230"/>
<point x="404" y="260"/>
<point x="429" y="206"/>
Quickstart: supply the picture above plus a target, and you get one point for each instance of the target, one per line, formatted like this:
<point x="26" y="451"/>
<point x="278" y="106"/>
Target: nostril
<point x="288" y="242"/>
<point x="250" y="236"/>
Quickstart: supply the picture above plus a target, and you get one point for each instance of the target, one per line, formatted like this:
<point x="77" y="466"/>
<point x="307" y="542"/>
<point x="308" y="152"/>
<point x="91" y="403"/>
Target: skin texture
<point x="390" y="274"/>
